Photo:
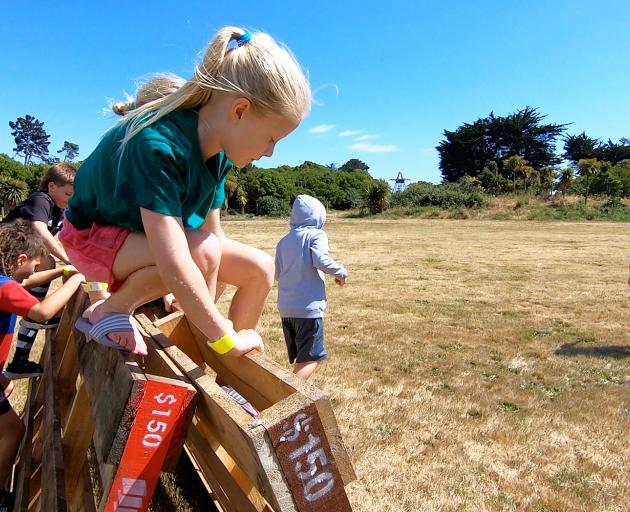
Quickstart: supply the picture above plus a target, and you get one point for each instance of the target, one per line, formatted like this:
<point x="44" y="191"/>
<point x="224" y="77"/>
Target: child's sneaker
<point x="240" y="400"/>
<point x="32" y="324"/>
<point x="7" y="500"/>
<point x="22" y="369"/>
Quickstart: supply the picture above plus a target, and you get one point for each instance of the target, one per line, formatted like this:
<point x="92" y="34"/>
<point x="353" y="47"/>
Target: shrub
<point x="448" y="195"/>
<point x="272" y="206"/>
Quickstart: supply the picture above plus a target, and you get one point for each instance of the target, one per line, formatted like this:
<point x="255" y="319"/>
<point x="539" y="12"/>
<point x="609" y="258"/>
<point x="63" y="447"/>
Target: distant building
<point x="400" y="183"/>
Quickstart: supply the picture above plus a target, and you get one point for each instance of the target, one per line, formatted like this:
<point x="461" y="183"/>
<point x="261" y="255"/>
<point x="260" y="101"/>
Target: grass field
<point x="475" y="365"/>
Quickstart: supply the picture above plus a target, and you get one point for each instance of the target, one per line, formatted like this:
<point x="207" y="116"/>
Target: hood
<point x="307" y="212"/>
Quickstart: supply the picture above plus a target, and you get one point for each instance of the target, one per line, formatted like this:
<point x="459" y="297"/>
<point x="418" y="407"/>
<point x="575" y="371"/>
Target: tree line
<point x="494" y="155"/>
<point x="517" y="154"/>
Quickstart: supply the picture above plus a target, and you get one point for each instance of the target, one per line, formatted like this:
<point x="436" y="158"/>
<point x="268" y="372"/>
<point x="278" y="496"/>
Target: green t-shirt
<point x="161" y="170"/>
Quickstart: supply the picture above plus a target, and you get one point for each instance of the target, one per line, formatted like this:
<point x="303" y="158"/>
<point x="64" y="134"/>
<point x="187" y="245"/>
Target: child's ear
<point x="21" y="259"/>
<point x="240" y="106"/>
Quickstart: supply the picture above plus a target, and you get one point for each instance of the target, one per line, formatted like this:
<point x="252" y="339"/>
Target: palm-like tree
<point x="377" y="196"/>
<point x="588" y="167"/>
<point x="241" y="198"/>
<point x="565" y="180"/>
<point x="12" y="192"/>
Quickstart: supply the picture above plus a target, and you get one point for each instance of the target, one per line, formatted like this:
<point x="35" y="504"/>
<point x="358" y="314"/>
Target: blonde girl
<point x="145" y="213"/>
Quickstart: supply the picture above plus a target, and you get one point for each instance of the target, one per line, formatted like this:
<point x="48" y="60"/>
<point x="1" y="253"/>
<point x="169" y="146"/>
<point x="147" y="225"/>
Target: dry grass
<point x="475" y="365"/>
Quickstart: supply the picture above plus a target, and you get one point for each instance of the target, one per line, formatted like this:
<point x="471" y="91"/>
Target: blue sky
<point x="389" y="76"/>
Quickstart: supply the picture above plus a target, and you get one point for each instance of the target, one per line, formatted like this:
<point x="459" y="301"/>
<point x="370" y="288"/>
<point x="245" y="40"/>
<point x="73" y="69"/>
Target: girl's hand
<point x="341" y="281"/>
<point x="170" y="303"/>
<point x="247" y="341"/>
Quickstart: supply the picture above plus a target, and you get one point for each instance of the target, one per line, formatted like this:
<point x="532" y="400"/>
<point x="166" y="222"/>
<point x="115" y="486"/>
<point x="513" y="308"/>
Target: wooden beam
<point x="265" y="383"/>
<point x="23" y="469"/>
<point x="76" y="439"/>
<point x="53" y="488"/>
<point x="242" y="436"/>
<point x="113" y="381"/>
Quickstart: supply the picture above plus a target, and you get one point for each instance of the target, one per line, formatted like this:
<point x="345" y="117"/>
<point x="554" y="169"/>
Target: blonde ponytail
<point x="253" y="66"/>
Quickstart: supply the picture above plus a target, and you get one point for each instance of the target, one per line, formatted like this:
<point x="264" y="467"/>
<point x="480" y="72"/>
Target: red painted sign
<point x="162" y="407"/>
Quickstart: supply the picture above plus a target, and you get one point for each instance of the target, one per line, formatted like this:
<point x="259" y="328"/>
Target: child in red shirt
<point x="21" y="250"/>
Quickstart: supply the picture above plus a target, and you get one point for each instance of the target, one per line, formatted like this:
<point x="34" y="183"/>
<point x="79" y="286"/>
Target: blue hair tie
<point x="243" y="39"/>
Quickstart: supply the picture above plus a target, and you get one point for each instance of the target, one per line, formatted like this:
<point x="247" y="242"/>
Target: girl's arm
<point x="53" y="246"/>
<point x="180" y="275"/>
<point x="212" y="224"/>
<point x="53" y="303"/>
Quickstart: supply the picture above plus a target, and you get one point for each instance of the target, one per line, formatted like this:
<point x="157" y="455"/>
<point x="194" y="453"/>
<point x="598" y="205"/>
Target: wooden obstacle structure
<point x="101" y="425"/>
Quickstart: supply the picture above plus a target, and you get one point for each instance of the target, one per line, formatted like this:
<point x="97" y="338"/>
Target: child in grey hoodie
<point x="302" y="259"/>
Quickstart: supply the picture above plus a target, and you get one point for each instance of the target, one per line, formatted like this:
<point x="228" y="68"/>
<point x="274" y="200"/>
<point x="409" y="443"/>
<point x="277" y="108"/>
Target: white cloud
<point x="349" y="133"/>
<point x="373" y="148"/>
<point x="322" y="128"/>
<point x="366" y="137"/>
<point x="428" y="151"/>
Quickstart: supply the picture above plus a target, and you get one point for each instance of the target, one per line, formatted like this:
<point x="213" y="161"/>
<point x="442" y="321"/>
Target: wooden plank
<point x="240" y="435"/>
<point x="23" y="469"/>
<point x="113" y="381"/>
<point x="83" y="499"/>
<point x="308" y="463"/>
<point x="264" y="383"/>
<point x="160" y="409"/>
<point x="77" y="437"/>
<point x="53" y="488"/>
<point x="67" y="377"/>
<point x="254" y="376"/>
<point x="175" y="327"/>
<point x="231" y="476"/>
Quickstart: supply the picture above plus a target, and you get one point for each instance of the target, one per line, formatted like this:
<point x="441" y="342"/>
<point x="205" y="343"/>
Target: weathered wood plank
<point x="113" y="380"/>
<point x="23" y="469"/>
<point x="234" y="429"/>
<point x="265" y="383"/>
<point x="76" y="439"/>
<point x="53" y="487"/>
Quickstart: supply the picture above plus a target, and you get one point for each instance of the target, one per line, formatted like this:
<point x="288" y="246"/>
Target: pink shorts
<point x="93" y="251"/>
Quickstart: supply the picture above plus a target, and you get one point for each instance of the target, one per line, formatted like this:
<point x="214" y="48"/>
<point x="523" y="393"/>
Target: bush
<point x="272" y="206"/>
<point x="448" y="195"/>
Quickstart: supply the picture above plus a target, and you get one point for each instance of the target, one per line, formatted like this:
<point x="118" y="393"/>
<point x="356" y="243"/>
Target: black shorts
<point x="305" y="339"/>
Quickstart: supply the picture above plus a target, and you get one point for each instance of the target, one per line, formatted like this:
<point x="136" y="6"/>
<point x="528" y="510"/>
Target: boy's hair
<point x="60" y="174"/>
<point x="257" y="68"/>
<point x="154" y="89"/>
<point x="18" y="237"/>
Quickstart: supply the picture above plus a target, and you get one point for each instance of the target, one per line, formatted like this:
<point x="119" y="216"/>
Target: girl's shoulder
<point x="177" y="130"/>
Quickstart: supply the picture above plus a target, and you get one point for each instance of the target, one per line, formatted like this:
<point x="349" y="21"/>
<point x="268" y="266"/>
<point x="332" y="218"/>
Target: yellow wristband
<point x="223" y="345"/>
<point x="68" y="269"/>
<point x="95" y="286"/>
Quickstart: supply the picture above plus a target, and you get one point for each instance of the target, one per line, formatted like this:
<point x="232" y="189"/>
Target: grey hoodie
<point x="302" y="259"/>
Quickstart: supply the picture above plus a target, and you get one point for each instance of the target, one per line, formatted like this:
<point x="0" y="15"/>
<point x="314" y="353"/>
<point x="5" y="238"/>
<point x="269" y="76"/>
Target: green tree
<point x="377" y="196"/>
<point x="516" y="167"/>
<point x="31" y="140"/>
<point x="241" y="198"/>
<point x="577" y="147"/>
<point x="491" y="181"/>
<point x="588" y="168"/>
<point x="12" y="192"/>
<point x="70" y="149"/>
<point x="354" y="164"/>
<point x="613" y="152"/>
<point x="470" y="148"/>
<point x="547" y="176"/>
<point x="565" y="180"/>
<point x="259" y="183"/>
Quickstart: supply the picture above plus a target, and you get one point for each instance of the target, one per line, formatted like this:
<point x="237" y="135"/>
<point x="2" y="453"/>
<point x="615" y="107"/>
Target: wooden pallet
<point x="141" y="414"/>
